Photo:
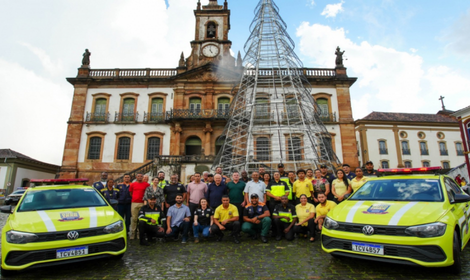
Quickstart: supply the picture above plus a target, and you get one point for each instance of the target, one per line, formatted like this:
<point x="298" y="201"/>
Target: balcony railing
<point x="191" y="114"/>
<point x="424" y="152"/>
<point x="444" y="152"/>
<point x="97" y="117"/>
<point x="126" y="117"/>
<point x="383" y="151"/>
<point x="331" y="117"/>
<point x="406" y="151"/>
<point x="158" y="117"/>
<point x="460" y="153"/>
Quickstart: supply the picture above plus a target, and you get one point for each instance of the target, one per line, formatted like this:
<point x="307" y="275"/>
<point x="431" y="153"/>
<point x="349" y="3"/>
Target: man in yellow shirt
<point x="302" y="186"/>
<point x="323" y="208"/>
<point x="226" y="218"/>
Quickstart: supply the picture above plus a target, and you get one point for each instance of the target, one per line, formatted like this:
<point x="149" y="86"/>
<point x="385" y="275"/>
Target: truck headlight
<point x="114" y="227"/>
<point x="429" y="230"/>
<point x="18" y="237"/>
<point x="330" y="223"/>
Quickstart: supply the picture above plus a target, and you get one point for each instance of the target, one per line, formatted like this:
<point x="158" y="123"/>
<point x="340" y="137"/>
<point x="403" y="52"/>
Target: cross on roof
<point x="442" y="102"/>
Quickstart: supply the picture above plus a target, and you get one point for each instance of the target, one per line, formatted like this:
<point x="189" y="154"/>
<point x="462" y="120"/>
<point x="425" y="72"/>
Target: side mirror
<point x="113" y="202"/>
<point x="6" y="209"/>
<point x="461" y="198"/>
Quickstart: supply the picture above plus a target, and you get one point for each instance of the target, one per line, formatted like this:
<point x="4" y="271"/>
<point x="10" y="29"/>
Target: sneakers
<point x="220" y="237"/>
<point x="196" y="240"/>
<point x="264" y="239"/>
<point x="184" y="240"/>
<point x="236" y="241"/>
<point x="278" y="238"/>
<point x="144" y="243"/>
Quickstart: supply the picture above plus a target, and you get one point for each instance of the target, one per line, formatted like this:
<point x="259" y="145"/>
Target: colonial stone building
<point x="123" y="119"/>
<point x="393" y="140"/>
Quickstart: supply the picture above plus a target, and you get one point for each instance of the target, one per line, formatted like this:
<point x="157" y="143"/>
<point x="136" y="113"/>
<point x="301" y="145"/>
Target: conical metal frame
<point x="273" y="117"/>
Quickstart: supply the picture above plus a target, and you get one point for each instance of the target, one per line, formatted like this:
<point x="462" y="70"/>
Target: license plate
<point x="368" y="248"/>
<point x="72" y="252"/>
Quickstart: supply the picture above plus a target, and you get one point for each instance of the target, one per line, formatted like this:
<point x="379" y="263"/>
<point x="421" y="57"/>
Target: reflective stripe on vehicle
<point x="93" y="217"/>
<point x="47" y="221"/>
<point x="352" y="212"/>
<point x="399" y="214"/>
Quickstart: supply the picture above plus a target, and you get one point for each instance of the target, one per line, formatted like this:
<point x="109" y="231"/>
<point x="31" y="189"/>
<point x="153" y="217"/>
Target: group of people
<point x="284" y="203"/>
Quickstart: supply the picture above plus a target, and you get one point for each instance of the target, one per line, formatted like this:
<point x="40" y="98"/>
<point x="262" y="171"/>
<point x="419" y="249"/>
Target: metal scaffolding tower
<point x="273" y="117"/>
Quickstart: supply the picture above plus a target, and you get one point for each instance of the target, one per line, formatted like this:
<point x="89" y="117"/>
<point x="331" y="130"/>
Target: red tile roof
<point x="409" y="117"/>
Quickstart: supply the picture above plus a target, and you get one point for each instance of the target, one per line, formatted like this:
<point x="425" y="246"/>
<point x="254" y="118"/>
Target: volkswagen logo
<point x="72" y="235"/>
<point x="368" y="230"/>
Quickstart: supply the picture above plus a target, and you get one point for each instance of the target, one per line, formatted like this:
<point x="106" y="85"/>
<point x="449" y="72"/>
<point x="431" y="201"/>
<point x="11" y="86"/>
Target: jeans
<point x="262" y="227"/>
<point x="183" y="227"/>
<point x="201" y="228"/>
<point x="125" y="211"/>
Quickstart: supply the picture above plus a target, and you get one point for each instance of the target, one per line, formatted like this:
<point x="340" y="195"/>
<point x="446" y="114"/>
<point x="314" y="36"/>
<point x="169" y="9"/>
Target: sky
<point x="405" y="54"/>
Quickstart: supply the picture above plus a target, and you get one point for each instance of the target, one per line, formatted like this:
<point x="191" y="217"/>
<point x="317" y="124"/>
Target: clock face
<point x="210" y="51"/>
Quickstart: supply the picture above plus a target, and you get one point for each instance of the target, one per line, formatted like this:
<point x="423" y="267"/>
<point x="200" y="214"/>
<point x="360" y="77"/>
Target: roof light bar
<point x="409" y="170"/>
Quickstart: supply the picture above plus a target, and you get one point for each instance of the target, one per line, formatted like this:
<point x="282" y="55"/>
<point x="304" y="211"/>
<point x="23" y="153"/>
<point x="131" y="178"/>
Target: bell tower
<point x="211" y="43"/>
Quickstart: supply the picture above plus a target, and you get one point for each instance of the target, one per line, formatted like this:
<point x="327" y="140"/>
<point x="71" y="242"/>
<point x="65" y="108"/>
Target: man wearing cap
<point x="280" y="168"/>
<point x="226" y="218"/>
<point x="256" y="219"/>
<point x="325" y="174"/>
<point x="370" y="171"/>
<point x="150" y="221"/>
<point x="347" y="171"/>
<point x="210" y="179"/>
<point x="284" y="219"/>
<point x="102" y="183"/>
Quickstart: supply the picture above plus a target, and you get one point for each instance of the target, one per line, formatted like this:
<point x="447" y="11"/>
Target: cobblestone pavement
<point x="298" y="259"/>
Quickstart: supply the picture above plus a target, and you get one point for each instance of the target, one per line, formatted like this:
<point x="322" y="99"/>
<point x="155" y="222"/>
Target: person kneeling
<point x="226" y="217"/>
<point x="285" y="217"/>
<point x="203" y="220"/>
<point x="178" y="219"/>
<point x="306" y="215"/>
<point x="256" y="219"/>
<point x="150" y="221"/>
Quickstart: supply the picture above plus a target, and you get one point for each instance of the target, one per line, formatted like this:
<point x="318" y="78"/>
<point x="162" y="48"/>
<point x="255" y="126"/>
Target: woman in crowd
<point x="203" y="220"/>
<point x="306" y="216"/>
<point x="341" y="186"/>
<point x="320" y="185"/>
<point x="155" y="190"/>
<point x="266" y="178"/>
<point x="359" y="180"/>
<point x="110" y="192"/>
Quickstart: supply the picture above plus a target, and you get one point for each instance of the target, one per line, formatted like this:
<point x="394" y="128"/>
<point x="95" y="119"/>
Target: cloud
<point x="51" y="67"/>
<point x="331" y="10"/>
<point x="34" y="113"/>
<point x="388" y="80"/>
<point x="458" y="37"/>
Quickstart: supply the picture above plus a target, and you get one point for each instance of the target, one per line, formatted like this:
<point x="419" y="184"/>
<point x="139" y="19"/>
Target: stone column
<point x="176" y="144"/>
<point x="398" y="147"/>
<point x="207" y="142"/>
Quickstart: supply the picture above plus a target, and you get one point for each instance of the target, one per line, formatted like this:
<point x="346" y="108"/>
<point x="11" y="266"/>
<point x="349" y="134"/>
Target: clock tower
<point x="211" y="43"/>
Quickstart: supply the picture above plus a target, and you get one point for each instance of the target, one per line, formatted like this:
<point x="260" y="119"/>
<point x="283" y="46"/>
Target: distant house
<point x="16" y="170"/>
<point x="392" y="140"/>
<point x="463" y="117"/>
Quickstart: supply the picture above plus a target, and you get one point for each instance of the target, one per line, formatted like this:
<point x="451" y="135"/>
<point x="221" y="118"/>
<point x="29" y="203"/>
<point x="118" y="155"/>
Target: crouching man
<point x="150" y="221"/>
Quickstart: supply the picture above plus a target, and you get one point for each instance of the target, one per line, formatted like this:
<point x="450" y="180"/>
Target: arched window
<point x="211" y="30"/>
<point x="262" y="108"/>
<point x="385" y="164"/>
<point x="383" y="147"/>
<point x="124" y="148"/>
<point x="223" y="104"/>
<point x="443" y="149"/>
<point x="425" y="163"/>
<point x="193" y="146"/>
<point x="323" y="105"/>
<point x="100" y="109"/>
<point x="294" y="148"/>
<point x="446" y="165"/>
<point x="405" y="148"/>
<point x="219" y="143"/>
<point x="153" y="147"/>
<point x="459" y="149"/>
<point x="94" y="148"/>
<point x="128" y="109"/>
<point x="262" y="149"/>
<point x="407" y="164"/>
<point x="195" y="104"/>
<point x="424" y="148"/>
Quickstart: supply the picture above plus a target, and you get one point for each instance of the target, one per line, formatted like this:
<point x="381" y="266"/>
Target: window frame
<point x="288" y="137"/>
<point x="446" y="151"/>
<point x="402" y="148"/>
<point x="456" y="143"/>
<point x="445" y="162"/>
<point x="131" y="145"/>
<point x="125" y="96"/>
<point x="381" y="150"/>
<point x="385" y="161"/>
<point x="269" y="150"/>
<point x="426" y="146"/>
<point x="409" y="161"/>
<point x="90" y="135"/>
<point x="423" y="162"/>
<point x="153" y="134"/>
